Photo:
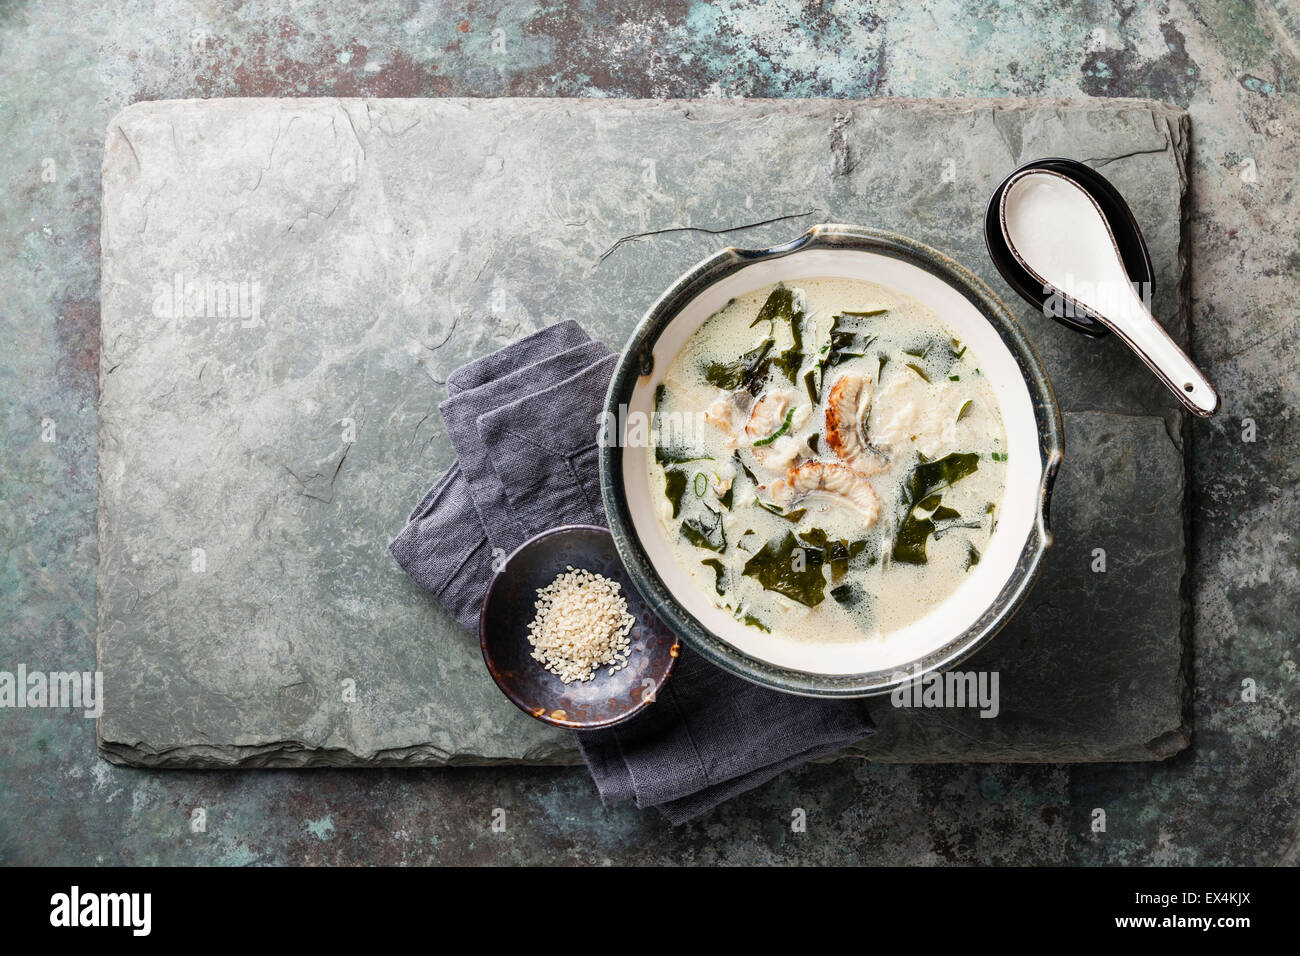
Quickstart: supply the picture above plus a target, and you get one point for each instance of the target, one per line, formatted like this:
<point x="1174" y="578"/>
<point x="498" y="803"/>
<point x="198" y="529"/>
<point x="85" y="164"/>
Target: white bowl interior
<point x="1017" y="510"/>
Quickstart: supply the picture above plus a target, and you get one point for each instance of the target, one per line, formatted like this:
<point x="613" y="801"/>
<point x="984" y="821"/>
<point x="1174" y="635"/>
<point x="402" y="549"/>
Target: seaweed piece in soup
<point x="675" y="487"/>
<point x="847" y="594"/>
<point x="749" y="473"/>
<point x="703" y="536"/>
<point x="913" y="533"/>
<point x="719" y="569"/>
<point x="746" y="372"/>
<point x="917" y="528"/>
<point x="846" y="343"/>
<point x="728" y="496"/>
<point x="812" y="386"/>
<point x="931" y="476"/>
<point x="839" y="551"/>
<point x="676" y="456"/>
<point x="791" y="516"/>
<point x="924" y="507"/>
<point x="779" y="305"/>
<point x="789" y="568"/>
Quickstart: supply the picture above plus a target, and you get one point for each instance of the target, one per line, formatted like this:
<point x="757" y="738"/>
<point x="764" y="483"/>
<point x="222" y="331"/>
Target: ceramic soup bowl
<point x="992" y="590"/>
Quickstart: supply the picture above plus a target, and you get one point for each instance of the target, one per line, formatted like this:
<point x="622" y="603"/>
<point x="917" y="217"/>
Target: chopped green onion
<point x="785" y="426"/>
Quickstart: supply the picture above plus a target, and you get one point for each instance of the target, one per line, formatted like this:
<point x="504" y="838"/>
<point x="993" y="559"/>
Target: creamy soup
<point x="828" y="459"/>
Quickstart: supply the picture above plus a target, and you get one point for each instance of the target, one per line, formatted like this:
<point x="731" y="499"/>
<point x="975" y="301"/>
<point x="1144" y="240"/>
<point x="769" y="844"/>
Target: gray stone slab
<point x="254" y="466"/>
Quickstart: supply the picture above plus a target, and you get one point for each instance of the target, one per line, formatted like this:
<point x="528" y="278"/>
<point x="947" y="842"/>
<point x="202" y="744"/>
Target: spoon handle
<point x="1147" y="337"/>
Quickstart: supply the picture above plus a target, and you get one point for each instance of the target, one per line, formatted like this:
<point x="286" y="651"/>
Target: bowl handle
<point x="1051" y="465"/>
<point x="776" y="252"/>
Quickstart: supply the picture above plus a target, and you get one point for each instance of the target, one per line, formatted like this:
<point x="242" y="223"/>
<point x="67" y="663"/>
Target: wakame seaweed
<point x="812" y="386"/>
<point x="838" y="551"/>
<point x="718" y="570"/>
<point x="675" y="487"/>
<point x="745" y="468"/>
<point x="924" y="504"/>
<point x="779" y="305"/>
<point x="702" y="536"/>
<point x="790" y="516"/>
<point x="846" y="343"/>
<point x="789" y="568"/>
<point x="791" y="360"/>
<point x="847" y="594"/>
<point x="911" y="538"/>
<point x="916" y="530"/>
<point x="746" y="372"/>
<point x="946" y="519"/>
<point x="676" y="456"/>
<point x="931" y="476"/>
<point x="939" y="353"/>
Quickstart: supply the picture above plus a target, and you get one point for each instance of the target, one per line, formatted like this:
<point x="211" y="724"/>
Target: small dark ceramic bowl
<point x="509" y="606"/>
<point x="1128" y="239"/>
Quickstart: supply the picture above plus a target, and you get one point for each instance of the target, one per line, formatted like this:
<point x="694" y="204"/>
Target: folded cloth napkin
<point x="524" y="422"/>
<point x="445" y="545"/>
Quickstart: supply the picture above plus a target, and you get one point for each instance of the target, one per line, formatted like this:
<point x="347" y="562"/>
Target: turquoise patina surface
<point x="1230" y="798"/>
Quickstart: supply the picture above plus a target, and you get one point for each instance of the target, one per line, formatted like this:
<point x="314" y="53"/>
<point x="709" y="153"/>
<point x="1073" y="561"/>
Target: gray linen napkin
<point x="445" y="545"/>
<point x="464" y="413"/>
<point x="532" y="348"/>
<point x="711" y="736"/>
<point x="533" y="408"/>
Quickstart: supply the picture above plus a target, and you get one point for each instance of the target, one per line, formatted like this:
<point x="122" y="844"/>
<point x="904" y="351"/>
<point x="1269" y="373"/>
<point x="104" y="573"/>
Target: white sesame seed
<point x="581" y="625"/>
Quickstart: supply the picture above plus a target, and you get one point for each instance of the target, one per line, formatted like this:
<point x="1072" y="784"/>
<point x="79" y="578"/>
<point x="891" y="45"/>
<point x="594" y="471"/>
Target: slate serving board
<point x="255" y="458"/>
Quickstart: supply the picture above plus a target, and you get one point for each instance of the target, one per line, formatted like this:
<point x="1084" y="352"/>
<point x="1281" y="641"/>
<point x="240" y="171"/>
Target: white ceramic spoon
<point x="1056" y="230"/>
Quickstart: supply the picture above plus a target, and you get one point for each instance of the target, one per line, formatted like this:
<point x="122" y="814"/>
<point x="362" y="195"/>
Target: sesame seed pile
<point x="581" y="625"/>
